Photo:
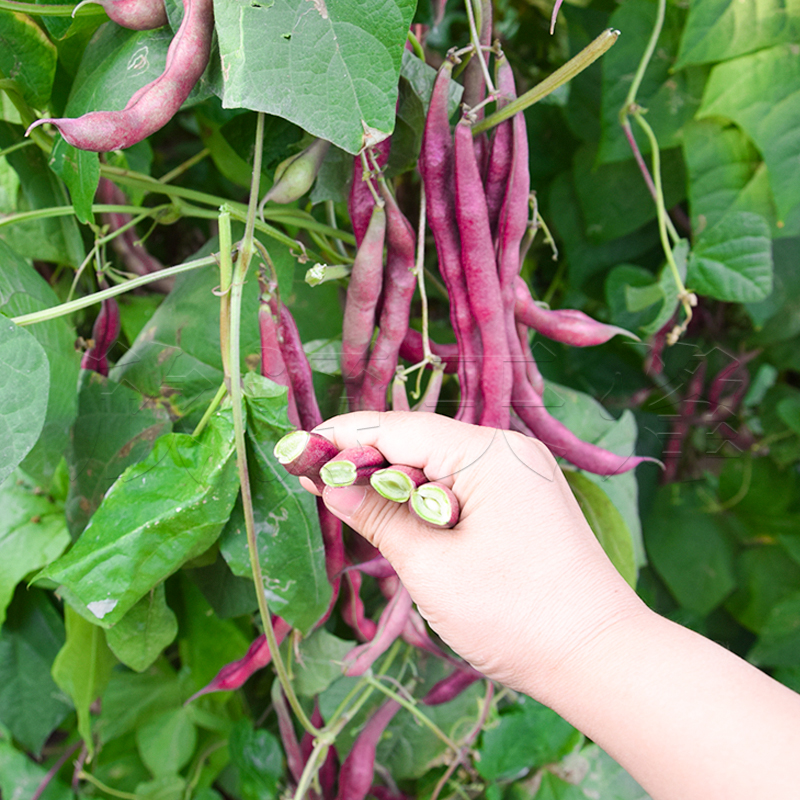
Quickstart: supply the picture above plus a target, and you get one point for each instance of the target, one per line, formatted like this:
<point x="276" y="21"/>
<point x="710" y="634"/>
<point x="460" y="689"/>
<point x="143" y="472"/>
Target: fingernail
<point x="345" y="501"/>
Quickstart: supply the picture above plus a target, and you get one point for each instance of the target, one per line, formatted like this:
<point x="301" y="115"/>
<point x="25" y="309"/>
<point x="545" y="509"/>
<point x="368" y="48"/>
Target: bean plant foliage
<point x="348" y="208"/>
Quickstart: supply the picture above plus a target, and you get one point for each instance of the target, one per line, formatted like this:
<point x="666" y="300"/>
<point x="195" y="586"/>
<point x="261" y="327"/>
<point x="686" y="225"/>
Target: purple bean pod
<point x="411" y="350"/>
<point x="436" y="167"/>
<point x="273" y="365"/>
<point x="397" y="481"/>
<point x="390" y="625"/>
<point x="358" y="769"/>
<point x="291" y="747"/>
<point x="360" y="200"/>
<point x="435" y="504"/>
<point x="234" y="675"/>
<point x="566" y="325"/>
<point x="531" y="368"/>
<point x="480" y="271"/>
<point x="299" y="369"/>
<point x="104" y="334"/>
<point x="501" y="147"/>
<point x="363" y="295"/>
<point x="399" y="395"/>
<point x="451" y="687"/>
<point x="399" y="285"/>
<point x="377" y="567"/>
<point x="136" y="15"/>
<point x="155" y="104"/>
<point x="353" y="607"/>
<point x="430" y="397"/>
<point x="304" y="453"/>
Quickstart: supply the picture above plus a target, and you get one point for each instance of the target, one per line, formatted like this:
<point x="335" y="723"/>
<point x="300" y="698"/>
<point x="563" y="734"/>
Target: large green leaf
<point x="529" y="736"/>
<point x="670" y="98"/>
<point x="614" y="198"/>
<point x="726" y="173"/>
<point x="80" y="171"/>
<point x="115" y="428"/>
<point x="319" y="662"/>
<point x="607" y="523"/>
<point x="779" y="642"/>
<point x="22" y="290"/>
<point x="30" y="639"/>
<point x="166" y="742"/>
<point x="82" y="669"/>
<point x="20" y="777"/>
<point x="330" y="67"/>
<point x="177" y="354"/>
<point x="258" y="757"/>
<point x="689" y="549"/>
<point x="27" y="56"/>
<point x="608" y="780"/>
<point x="761" y="94"/>
<point x="32" y="534"/>
<point x="733" y="260"/>
<point x="139" y="637"/>
<point x="56" y="239"/>
<point x="287" y="526"/>
<point x="23" y="394"/>
<point x="159" y="514"/>
<point x="717" y="30"/>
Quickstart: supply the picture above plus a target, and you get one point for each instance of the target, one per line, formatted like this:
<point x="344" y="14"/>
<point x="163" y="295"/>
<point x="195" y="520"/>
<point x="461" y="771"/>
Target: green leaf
<point x="139" y="637"/>
<point x="689" y="550"/>
<point x="80" y="171"/>
<point x="228" y="594"/>
<point x="733" y="260"/>
<point x="608" y="780"/>
<point x="259" y="759"/>
<point x="23" y="290"/>
<point x="614" y="198"/>
<point x="56" y="239"/>
<point x="159" y="514"/>
<point x="23" y="394"/>
<point x="717" y="30"/>
<point x="319" y="663"/>
<point x="767" y="576"/>
<point x="528" y="737"/>
<point x="30" y="639"/>
<point x="607" y="523"/>
<point x="115" y="428"/>
<point x="20" y="777"/>
<point x="177" y="354"/>
<point x="82" y="669"/>
<point x="789" y="411"/>
<point x="27" y="57"/>
<point x="552" y="787"/>
<point x="333" y="71"/>
<point x="671" y="98"/>
<point x="761" y="94"/>
<point x="779" y="642"/>
<point x="133" y="698"/>
<point x="778" y="316"/>
<point x="166" y="743"/>
<point x="726" y="173"/>
<point x="290" y="545"/>
<point x="165" y="787"/>
<point x="32" y="534"/>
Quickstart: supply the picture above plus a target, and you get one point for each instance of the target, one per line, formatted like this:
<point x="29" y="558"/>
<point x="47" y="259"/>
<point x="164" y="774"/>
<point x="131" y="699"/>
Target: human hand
<point x="520" y="583"/>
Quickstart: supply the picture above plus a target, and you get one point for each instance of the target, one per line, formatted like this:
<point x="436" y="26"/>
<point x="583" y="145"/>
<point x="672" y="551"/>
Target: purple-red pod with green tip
<point x="303" y="453"/>
<point x="353" y="466"/>
<point x="435" y="504"/>
<point x="155" y="104"/>
<point x="567" y="325"/>
<point x="397" y="481"/>
<point x="104" y="335"/>
<point x="136" y="15"/>
<point x="258" y="655"/>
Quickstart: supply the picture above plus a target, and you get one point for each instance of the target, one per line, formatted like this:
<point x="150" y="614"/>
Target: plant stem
<point x="121" y="288"/>
<point x="236" y="291"/>
<point x="53" y="771"/>
<point x="68" y="211"/>
<point x="225" y="278"/>
<point x="418" y="268"/>
<point x="428" y="723"/>
<point x="14" y="147"/>
<point x="562" y="75"/>
<point x="474" y="36"/>
<point x="212" y="407"/>
<point x="86" y="776"/>
<point x="187" y="165"/>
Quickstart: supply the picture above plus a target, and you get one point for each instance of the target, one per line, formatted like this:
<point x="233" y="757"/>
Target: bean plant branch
<point x="245" y="254"/>
<point x="41" y="10"/>
<point x="121" y="288"/>
<point x="562" y="75"/>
